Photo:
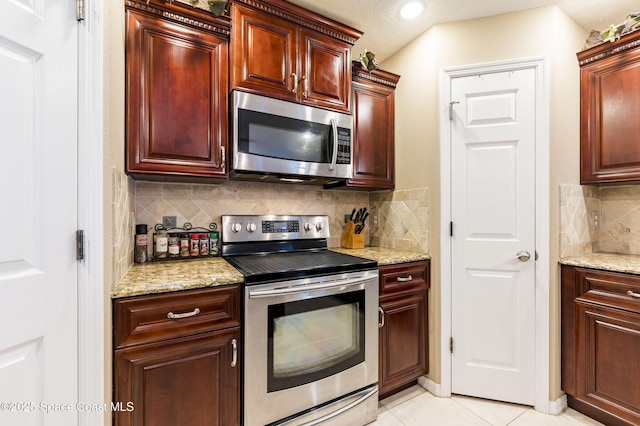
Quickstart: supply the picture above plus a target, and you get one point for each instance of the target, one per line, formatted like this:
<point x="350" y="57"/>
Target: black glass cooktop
<point x="269" y="267"/>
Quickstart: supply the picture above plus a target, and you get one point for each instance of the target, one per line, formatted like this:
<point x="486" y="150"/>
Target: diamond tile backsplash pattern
<point x="620" y="227"/>
<point x="201" y="205"/>
<point x="123" y="225"/>
<point x="402" y="219"/>
<point x="599" y="219"/>
<point x="402" y="215"/>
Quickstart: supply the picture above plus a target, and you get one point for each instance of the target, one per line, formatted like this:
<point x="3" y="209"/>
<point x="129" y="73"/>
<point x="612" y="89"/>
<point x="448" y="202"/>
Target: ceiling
<point x="385" y="32"/>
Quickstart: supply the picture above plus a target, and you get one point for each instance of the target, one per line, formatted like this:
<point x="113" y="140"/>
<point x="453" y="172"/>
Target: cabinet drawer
<point x="404" y="277"/>
<point x="153" y="318"/>
<point x="608" y="288"/>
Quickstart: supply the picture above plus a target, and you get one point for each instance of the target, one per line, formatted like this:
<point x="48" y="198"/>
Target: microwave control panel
<point x="344" y="146"/>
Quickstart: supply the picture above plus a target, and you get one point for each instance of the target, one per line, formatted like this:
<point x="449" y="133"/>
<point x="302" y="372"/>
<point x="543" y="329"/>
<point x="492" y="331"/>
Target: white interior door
<point x="493" y="222"/>
<point x="38" y="183"/>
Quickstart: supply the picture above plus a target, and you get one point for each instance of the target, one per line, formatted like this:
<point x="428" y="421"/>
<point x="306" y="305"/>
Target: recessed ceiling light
<point x="411" y="10"/>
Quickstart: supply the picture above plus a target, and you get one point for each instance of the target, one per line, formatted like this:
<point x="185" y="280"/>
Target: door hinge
<point x="80" y="10"/>
<point x="451" y="344"/>
<point x="451" y="229"/>
<point x="79" y="244"/>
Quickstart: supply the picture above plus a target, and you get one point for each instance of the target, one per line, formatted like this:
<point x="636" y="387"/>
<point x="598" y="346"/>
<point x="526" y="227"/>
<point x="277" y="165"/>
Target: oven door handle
<point x="303" y="288"/>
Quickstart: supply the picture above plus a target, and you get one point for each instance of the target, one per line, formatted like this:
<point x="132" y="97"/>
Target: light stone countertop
<point x="166" y="276"/>
<point x="384" y="256"/>
<point x="615" y="262"/>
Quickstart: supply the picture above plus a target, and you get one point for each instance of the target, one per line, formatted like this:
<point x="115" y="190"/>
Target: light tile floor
<point x="417" y="407"/>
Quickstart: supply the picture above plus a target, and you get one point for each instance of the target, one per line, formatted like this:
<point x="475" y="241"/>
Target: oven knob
<point x="251" y="227"/>
<point x="307" y="227"/>
<point x="236" y="227"/>
<point x="319" y="226"/>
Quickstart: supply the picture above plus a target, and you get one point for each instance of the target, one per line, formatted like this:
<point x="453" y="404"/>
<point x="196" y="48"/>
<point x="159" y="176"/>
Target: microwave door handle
<point x="334" y="159"/>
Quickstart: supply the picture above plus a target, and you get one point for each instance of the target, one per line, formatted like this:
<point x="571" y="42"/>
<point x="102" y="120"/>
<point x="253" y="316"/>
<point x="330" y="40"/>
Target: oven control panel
<point x="247" y="228"/>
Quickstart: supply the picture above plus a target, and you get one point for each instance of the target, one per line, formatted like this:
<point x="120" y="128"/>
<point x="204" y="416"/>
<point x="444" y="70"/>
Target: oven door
<point x="278" y="137"/>
<point x="309" y="343"/>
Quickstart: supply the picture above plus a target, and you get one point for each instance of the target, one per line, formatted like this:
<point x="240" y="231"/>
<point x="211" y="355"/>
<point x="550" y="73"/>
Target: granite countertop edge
<point x="163" y="277"/>
<point x="614" y="262"/>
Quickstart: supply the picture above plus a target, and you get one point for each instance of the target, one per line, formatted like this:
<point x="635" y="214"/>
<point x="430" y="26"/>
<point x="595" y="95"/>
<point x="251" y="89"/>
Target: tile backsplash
<point x="402" y="219"/>
<point x="599" y="219"/>
<point x="201" y="205"/>
<point x="402" y="216"/>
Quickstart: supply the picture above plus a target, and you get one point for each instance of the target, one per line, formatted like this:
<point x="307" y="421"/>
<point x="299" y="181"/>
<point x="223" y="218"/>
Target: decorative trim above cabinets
<point x="377" y="76"/>
<point x="604" y="50"/>
<point x="173" y="14"/>
<point x="305" y="18"/>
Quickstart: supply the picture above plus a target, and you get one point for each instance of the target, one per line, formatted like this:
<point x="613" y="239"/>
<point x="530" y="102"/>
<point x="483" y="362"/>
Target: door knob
<point x="522" y="256"/>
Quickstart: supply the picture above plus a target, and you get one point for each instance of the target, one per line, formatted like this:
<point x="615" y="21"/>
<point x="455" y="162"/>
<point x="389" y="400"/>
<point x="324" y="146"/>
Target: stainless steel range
<point x="310" y="323"/>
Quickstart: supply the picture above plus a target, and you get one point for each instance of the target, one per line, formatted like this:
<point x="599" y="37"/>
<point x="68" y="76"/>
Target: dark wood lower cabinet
<point x="176" y="359"/>
<point x="601" y="344"/>
<point x="403" y="338"/>
<point x="187" y="381"/>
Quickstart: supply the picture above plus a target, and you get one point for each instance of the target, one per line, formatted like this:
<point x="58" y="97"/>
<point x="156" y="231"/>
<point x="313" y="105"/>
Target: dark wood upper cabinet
<point x="609" y="111"/>
<point x="374" y="128"/>
<point x="176" y="92"/>
<point x="286" y="52"/>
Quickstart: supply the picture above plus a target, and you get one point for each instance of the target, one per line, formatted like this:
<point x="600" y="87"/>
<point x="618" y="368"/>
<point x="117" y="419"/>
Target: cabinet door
<point x="189" y="381"/>
<point x="607" y="364"/>
<point x="263" y="54"/>
<point x="325" y="71"/>
<point x="176" y="92"/>
<point x="403" y="341"/>
<point x="373" y="108"/>
<point x="609" y="108"/>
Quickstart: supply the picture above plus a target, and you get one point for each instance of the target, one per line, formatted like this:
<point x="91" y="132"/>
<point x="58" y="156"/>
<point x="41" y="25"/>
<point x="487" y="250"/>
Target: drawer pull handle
<point x="234" y="356"/>
<point x="195" y="312"/>
<point x="381" y="316"/>
<point x="632" y="294"/>
<point x="404" y="279"/>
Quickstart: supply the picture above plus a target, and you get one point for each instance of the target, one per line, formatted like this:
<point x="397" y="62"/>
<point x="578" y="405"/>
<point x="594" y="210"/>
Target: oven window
<point x="286" y="138"/>
<point x="314" y="338"/>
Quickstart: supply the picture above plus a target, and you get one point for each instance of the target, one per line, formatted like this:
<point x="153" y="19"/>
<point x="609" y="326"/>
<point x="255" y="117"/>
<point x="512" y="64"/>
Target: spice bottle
<point x="194" y="244"/>
<point x="162" y="244"/>
<point x="174" y="245"/>
<point x="141" y="239"/>
<point x="185" y="250"/>
<point x="213" y="243"/>
<point x="204" y="244"/>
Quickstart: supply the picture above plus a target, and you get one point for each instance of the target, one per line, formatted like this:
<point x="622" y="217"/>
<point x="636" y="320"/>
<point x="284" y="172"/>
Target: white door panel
<point x="493" y="215"/>
<point x="38" y="183"/>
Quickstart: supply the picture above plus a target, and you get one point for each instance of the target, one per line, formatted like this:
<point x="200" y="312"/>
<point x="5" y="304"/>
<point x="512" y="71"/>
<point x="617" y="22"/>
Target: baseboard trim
<point x="558" y="406"/>
<point x="432" y="387"/>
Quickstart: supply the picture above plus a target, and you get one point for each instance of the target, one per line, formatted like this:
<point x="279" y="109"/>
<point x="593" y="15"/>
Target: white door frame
<point x="91" y="298"/>
<point x="539" y="64"/>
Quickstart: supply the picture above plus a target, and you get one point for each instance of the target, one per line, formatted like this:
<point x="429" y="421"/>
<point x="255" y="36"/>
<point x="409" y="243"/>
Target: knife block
<point x="349" y="237"/>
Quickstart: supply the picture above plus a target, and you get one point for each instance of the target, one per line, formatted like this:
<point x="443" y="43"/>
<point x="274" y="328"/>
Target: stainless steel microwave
<point x="276" y="140"/>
